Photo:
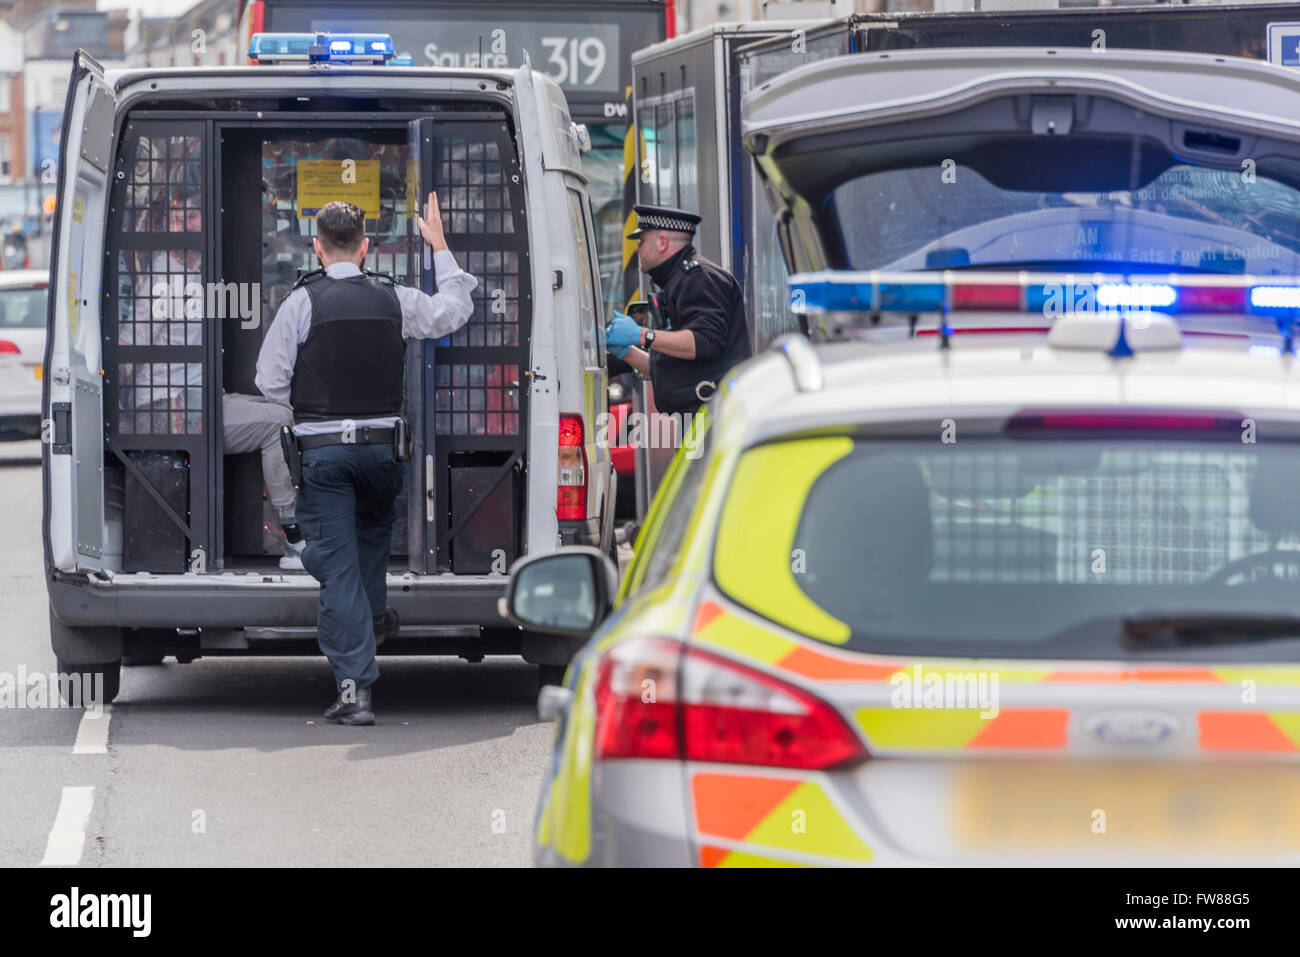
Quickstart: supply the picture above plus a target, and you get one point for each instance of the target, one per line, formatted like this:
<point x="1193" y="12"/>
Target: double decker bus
<point x="584" y="45"/>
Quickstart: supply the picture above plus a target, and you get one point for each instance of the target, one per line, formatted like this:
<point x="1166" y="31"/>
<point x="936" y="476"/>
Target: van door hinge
<point x="558" y="281"/>
<point x="61" y="375"/>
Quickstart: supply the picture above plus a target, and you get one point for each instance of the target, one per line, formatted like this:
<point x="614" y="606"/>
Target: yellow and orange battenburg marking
<point x="774" y="814"/>
<point x="1042" y="728"/>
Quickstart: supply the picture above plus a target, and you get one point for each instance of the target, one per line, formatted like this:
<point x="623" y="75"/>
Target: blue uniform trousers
<point x="345" y="508"/>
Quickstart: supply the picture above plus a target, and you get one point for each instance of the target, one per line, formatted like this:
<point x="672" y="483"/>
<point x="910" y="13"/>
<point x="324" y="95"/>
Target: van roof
<point x="118" y="79"/>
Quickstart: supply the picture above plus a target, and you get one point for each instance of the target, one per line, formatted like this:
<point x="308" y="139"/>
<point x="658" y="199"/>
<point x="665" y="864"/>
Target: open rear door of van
<point x="471" y="421"/>
<point x="422" y="481"/>
<point x="73" y="429"/>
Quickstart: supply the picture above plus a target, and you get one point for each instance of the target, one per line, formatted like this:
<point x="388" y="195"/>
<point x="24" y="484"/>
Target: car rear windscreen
<point x="22" y="308"/>
<point x="1023" y="548"/>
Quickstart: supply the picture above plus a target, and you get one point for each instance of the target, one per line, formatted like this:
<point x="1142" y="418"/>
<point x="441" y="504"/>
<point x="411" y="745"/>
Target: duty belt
<point x="365" y="435"/>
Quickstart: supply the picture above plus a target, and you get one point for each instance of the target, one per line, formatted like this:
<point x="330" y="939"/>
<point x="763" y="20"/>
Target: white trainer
<point x="291" y="561"/>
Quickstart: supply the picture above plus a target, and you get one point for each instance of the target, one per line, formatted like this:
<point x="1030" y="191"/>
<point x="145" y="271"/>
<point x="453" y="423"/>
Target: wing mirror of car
<point x="568" y="591"/>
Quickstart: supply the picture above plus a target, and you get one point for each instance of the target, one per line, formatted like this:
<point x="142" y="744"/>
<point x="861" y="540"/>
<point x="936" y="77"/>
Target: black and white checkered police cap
<point x="668" y="218"/>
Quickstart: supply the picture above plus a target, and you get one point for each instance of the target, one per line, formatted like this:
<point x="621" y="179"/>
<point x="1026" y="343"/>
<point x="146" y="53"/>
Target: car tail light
<point x="571" y="487"/>
<point x="656" y="698"/>
<point x="8" y="348"/>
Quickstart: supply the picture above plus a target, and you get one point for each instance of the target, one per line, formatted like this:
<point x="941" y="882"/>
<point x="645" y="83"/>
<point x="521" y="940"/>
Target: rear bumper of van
<point x="270" y="601"/>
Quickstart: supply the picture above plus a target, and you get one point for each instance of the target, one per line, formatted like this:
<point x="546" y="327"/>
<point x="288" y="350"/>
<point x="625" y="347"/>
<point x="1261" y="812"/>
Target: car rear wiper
<point x="1170" y="631"/>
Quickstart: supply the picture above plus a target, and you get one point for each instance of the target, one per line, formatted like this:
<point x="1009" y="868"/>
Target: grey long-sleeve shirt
<point x="423" y="317"/>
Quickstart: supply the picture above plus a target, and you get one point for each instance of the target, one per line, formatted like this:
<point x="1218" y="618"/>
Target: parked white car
<point x="23" y="295"/>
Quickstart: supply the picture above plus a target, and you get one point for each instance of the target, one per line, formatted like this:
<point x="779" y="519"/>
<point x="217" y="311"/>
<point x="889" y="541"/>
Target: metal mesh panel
<point x="1140" y="517"/>
<point x="495" y="321"/>
<point x="160" y="293"/>
<point x="479" y="367"/>
<point x="162" y="194"/>
<point x="477" y="393"/>
<point x="476" y="399"/>
<point x="156" y="309"/>
<point x="473" y="190"/>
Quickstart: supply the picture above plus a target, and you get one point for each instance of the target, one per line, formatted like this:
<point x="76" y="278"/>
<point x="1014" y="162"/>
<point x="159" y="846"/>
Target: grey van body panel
<point x="541" y="531"/>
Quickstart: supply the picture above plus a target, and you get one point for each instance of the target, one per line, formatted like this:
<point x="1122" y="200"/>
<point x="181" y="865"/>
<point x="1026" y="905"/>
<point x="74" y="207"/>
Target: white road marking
<point x="68" y="835"/>
<point x="92" y="732"/>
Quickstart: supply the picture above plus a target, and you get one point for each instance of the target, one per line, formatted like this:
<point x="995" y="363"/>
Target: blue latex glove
<point x="622" y="333"/>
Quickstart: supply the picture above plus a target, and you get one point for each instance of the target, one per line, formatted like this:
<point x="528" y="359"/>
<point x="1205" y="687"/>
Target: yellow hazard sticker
<point x="321" y="182"/>
<point x="72" y="300"/>
<point x="412" y="192"/>
<point x="78" y="209"/>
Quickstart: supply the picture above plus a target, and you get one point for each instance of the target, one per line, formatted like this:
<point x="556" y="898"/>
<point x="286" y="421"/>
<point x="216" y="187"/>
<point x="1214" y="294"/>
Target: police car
<point x="186" y="205"/>
<point x="1018" y="599"/>
<point x="1003" y="570"/>
<point x="22" y="342"/>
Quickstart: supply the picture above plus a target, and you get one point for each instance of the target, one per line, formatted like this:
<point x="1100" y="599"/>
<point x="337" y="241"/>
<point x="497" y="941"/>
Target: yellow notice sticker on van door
<point x="72" y="302"/>
<point x="327" y="181"/>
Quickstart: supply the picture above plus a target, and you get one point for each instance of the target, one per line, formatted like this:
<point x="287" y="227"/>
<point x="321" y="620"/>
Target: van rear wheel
<point x="91" y="678"/>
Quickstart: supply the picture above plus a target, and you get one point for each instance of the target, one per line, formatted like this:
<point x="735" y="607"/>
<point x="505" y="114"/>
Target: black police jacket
<point x="706" y="299"/>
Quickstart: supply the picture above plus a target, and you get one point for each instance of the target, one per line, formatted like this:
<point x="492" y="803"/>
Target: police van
<point x="186" y="213"/>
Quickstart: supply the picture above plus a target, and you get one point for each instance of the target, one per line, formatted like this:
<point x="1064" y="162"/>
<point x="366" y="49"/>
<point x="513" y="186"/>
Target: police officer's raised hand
<point x="431" y="224"/>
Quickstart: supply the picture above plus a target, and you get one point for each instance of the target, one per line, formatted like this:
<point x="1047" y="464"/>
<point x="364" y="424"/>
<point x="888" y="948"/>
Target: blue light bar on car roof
<point x="321" y="48"/>
<point x="948" y="291"/>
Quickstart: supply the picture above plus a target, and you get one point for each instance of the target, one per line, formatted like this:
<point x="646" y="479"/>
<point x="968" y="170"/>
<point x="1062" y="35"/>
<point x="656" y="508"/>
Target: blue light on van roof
<point x="321" y="48"/>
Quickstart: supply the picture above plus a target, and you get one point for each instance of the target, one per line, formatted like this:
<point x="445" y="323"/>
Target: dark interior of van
<point x="211" y="225"/>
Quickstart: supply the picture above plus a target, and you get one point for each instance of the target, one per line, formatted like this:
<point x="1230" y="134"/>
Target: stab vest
<point x="353" y="362"/>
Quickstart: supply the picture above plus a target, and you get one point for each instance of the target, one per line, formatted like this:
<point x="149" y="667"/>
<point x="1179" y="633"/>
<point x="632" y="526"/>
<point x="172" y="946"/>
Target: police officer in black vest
<point x="702" y="308"/>
<point x="336" y="353"/>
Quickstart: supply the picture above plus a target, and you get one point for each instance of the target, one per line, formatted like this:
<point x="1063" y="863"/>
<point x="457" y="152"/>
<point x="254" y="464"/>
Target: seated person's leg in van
<point x="252" y="423"/>
<point x="327" y="505"/>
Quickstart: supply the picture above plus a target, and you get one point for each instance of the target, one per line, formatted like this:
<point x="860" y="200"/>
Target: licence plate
<point x="1139" y="807"/>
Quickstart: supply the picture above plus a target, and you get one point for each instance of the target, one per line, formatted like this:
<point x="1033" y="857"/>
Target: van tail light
<point x="656" y="698"/>
<point x="8" y="348"/>
<point x="571" y="488"/>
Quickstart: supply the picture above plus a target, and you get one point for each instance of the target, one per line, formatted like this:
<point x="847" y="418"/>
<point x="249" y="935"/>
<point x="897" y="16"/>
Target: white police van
<point x="186" y="205"/>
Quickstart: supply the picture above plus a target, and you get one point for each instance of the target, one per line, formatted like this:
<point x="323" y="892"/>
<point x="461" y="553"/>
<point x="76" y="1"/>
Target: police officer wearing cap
<point x="336" y="353"/>
<point x="702" y="308"/>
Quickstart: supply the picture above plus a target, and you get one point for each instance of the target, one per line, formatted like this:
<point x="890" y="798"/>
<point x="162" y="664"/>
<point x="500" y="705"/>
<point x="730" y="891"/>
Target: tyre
<point x="110" y="674"/>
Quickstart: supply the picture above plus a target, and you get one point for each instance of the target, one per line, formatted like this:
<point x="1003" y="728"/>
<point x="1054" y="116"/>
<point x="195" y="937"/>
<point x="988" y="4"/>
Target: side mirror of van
<point x="568" y="591"/>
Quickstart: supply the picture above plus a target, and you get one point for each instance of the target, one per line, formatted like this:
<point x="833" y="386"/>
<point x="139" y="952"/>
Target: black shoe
<point x="386" y="626"/>
<point x="352" y="712"/>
